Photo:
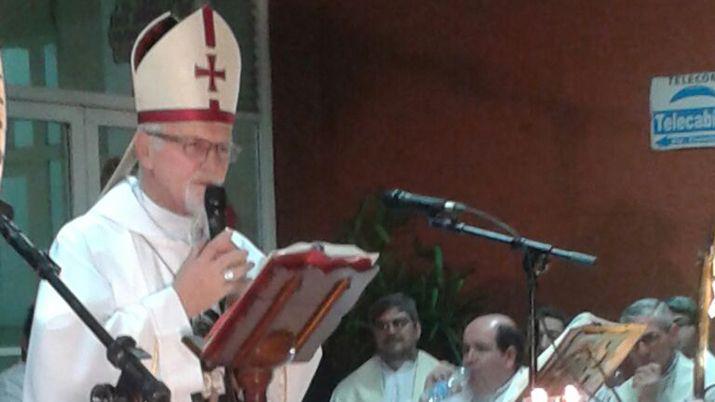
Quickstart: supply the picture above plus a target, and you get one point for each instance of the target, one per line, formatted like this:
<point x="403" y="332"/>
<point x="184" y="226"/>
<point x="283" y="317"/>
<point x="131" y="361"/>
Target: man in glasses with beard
<point x="141" y="259"/>
<point x="398" y="371"/>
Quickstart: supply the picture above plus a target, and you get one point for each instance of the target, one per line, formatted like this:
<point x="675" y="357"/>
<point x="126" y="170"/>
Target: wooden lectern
<point x="294" y="304"/>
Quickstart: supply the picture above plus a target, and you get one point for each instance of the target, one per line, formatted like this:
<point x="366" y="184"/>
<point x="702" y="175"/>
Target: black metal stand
<point x="534" y="264"/>
<point x="535" y="257"/>
<point x="136" y="383"/>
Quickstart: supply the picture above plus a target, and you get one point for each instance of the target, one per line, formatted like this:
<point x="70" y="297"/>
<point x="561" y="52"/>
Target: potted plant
<point x="408" y="266"/>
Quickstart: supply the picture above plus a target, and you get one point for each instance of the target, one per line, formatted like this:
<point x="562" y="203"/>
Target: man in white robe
<point x="685" y="316"/>
<point x="662" y="373"/>
<point x="493" y="352"/>
<point x="398" y="371"/>
<point x="140" y="259"/>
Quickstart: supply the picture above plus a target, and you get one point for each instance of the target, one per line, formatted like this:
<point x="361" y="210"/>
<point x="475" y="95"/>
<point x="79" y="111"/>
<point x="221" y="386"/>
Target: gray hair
<point x="151" y="127"/>
<point x="650" y="308"/>
<point x="128" y="162"/>
<point x="683" y="305"/>
<point x="156" y="143"/>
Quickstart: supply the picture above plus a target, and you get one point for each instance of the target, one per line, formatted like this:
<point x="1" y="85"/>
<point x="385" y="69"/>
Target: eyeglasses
<point x="198" y="149"/>
<point x="397" y="323"/>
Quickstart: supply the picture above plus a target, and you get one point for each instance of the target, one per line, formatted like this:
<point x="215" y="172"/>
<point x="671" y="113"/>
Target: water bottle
<point x="444" y="389"/>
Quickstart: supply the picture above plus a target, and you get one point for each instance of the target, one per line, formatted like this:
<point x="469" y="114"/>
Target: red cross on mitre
<point x="210" y="72"/>
<point x="210" y="41"/>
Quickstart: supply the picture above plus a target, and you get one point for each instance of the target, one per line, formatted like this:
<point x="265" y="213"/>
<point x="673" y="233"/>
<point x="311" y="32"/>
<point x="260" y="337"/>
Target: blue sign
<point x="683" y="111"/>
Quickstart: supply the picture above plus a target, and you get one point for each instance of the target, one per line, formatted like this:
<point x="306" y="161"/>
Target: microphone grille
<point x="215" y="197"/>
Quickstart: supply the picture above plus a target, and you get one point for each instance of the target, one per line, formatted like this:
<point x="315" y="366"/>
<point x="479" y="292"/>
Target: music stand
<point x="291" y="308"/>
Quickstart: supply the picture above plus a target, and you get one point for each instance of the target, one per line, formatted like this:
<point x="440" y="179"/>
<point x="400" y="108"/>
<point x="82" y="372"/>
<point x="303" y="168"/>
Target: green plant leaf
<point x="382" y="233"/>
<point x="439" y="266"/>
<point x="433" y="332"/>
<point x="406" y="265"/>
<point x="434" y="298"/>
<point x="454" y="342"/>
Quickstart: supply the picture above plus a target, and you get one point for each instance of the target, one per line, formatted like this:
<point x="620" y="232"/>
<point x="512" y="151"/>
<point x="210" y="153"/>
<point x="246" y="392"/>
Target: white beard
<point x="193" y="201"/>
<point x="194" y="204"/>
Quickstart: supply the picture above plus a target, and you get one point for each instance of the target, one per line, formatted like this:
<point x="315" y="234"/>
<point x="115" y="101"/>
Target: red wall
<point x="536" y="111"/>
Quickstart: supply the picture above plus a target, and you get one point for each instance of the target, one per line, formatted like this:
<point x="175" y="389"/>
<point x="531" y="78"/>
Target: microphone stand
<point x="136" y="383"/>
<point x="536" y="256"/>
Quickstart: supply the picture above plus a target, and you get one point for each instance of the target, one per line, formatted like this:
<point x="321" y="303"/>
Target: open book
<point x="295" y="302"/>
<point x="586" y="354"/>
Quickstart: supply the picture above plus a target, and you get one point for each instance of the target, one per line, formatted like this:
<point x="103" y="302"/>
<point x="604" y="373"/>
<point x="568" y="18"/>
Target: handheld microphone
<point x="397" y="198"/>
<point x="215" y="204"/>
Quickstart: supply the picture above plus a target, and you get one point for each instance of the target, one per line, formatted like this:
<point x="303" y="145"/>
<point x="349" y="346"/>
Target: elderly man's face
<point x="656" y="345"/>
<point x="396" y="335"/>
<point x="488" y="366"/>
<point x="177" y="179"/>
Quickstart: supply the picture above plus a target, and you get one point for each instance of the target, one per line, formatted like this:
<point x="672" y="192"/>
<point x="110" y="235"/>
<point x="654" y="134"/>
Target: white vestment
<point x="120" y="259"/>
<point x="367" y="383"/>
<point x="508" y="392"/>
<point x="398" y="385"/>
<point x="675" y="385"/>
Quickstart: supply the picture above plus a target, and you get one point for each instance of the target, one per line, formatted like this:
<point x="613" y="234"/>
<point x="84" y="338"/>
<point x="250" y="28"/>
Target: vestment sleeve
<point x="65" y="359"/>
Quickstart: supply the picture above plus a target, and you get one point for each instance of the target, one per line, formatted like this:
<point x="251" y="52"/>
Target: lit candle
<point x="539" y="395"/>
<point x="571" y="394"/>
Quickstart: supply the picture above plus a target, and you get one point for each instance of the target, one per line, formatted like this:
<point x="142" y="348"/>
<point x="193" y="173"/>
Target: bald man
<point x="493" y="348"/>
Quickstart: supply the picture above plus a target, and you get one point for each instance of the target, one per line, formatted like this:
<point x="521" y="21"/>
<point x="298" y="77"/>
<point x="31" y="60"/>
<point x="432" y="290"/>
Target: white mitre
<point x="190" y="72"/>
<point x="183" y="71"/>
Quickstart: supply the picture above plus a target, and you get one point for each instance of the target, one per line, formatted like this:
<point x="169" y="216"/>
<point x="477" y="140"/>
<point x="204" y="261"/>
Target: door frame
<point x="85" y="112"/>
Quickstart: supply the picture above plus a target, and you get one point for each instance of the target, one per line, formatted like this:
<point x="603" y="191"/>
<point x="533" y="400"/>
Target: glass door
<point x="108" y="133"/>
<point x="56" y="156"/>
<point x="38" y="183"/>
<point x="69" y="88"/>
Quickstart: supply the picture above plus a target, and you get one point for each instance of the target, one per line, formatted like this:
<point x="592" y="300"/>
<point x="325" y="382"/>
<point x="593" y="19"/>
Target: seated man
<point x="685" y="316"/>
<point x="551" y="324"/>
<point x="685" y="313"/>
<point x="492" y="352"/>
<point x="662" y="373"/>
<point x="398" y="370"/>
